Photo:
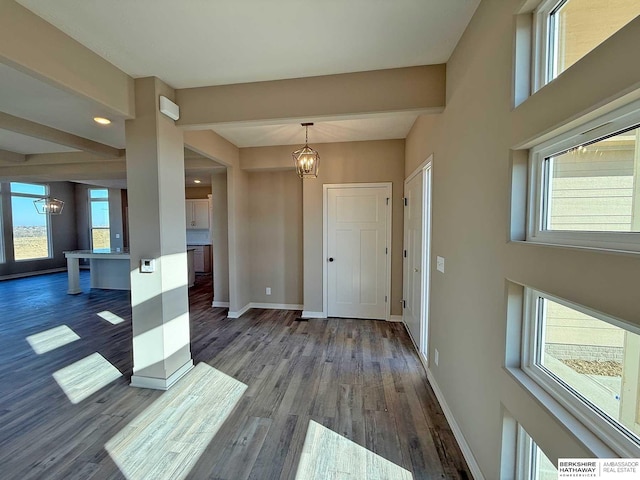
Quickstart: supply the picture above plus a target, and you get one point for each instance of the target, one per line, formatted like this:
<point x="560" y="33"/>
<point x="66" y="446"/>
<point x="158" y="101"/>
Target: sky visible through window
<point x="24" y="211"/>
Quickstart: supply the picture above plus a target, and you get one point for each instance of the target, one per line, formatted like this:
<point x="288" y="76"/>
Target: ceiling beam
<point x="12" y="157"/>
<point x="412" y="89"/>
<point x="33" y="129"/>
<point x="33" y="46"/>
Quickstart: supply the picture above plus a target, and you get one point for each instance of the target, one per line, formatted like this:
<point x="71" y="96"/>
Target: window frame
<point x="97" y="199"/>
<point x="526" y="455"/>
<point x="588" y="132"/>
<point x="606" y="429"/>
<point x="542" y="57"/>
<point x="3" y="256"/>
<point x="47" y="194"/>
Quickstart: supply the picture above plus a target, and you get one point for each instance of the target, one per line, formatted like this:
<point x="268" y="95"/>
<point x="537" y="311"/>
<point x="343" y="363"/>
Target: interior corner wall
<point x="220" y="237"/>
<point x="239" y="239"/>
<point x="275" y="217"/>
<point x="471" y="143"/>
<point x="351" y="162"/>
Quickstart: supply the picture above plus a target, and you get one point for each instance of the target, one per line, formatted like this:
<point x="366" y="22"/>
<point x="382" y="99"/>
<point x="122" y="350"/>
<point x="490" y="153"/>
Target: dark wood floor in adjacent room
<point x="359" y="378"/>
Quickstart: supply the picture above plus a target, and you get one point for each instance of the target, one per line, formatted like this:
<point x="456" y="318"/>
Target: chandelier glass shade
<point x="306" y="159"/>
<point x="51" y="206"/>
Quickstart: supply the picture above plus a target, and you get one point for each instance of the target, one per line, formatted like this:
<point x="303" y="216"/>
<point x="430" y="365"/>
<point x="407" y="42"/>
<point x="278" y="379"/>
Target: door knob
<point x="331" y="259"/>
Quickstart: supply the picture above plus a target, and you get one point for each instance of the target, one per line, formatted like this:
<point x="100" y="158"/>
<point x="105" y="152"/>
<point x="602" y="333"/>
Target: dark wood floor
<point x="359" y="378"/>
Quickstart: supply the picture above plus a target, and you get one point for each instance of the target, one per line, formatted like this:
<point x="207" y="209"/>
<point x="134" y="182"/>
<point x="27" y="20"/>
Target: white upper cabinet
<point x="197" y="214"/>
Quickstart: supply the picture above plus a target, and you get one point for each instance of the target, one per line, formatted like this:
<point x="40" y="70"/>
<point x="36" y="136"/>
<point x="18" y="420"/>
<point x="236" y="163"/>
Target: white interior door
<point x="358" y="249"/>
<point x="412" y="271"/>
<point x="417" y="254"/>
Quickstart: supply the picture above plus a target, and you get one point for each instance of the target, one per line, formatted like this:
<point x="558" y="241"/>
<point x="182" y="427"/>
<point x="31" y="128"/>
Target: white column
<point x="155" y="183"/>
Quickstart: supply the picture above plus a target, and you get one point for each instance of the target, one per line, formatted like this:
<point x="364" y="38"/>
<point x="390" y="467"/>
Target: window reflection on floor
<point x="85" y="377"/>
<point x="51" y="339"/>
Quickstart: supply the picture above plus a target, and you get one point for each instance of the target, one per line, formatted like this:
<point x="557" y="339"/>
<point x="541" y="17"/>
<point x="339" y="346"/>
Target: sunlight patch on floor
<point x="110" y="317"/>
<point x="166" y="440"/>
<point x="85" y="377"/>
<point x="51" y="339"/>
<point x="328" y="455"/>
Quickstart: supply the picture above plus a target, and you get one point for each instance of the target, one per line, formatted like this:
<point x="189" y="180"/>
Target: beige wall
<point x="275" y="206"/>
<point x="193" y="193"/>
<point x="220" y="237"/>
<point x="352" y="162"/>
<point x="471" y="143"/>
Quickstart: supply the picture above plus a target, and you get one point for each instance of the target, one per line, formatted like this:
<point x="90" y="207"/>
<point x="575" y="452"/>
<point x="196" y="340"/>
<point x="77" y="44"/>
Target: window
<point x="585" y="185"/>
<point x="99" y="218"/>
<point x="567" y="30"/>
<point x="590" y="363"/>
<point x="2" y="254"/>
<point x="31" y="230"/>
<point x="532" y="463"/>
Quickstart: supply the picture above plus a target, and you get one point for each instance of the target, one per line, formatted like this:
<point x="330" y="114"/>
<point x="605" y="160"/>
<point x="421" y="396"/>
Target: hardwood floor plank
<point x="360" y="381"/>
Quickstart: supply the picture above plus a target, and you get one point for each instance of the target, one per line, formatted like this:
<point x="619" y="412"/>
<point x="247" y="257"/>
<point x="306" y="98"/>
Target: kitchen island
<point x="110" y="269"/>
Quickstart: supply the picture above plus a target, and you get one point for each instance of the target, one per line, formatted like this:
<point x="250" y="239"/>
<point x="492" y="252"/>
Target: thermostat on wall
<point x="147" y="265"/>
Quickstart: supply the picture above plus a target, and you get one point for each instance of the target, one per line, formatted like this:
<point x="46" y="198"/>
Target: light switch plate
<point x="440" y="264"/>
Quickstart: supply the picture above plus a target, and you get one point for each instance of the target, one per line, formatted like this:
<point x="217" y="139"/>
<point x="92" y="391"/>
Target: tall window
<point x="590" y="363"/>
<point x="31" y="230"/>
<point x="585" y="185"/>
<point x="99" y="218"/>
<point x="567" y="30"/>
<point x="2" y="254"/>
<point x="532" y="463"/>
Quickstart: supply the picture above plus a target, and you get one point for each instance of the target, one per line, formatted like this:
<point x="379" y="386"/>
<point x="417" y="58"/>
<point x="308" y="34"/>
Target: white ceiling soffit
<point x="27" y="97"/>
<point x="215" y="42"/>
<point x="18" y="143"/>
<point x="382" y="127"/>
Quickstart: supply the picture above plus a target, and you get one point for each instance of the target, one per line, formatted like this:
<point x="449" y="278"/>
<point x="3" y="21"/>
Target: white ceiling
<point x="214" y="42"/>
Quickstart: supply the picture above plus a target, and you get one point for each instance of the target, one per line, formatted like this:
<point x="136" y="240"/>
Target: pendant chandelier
<point x="306" y="159"/>
<point x="46" y="205"/>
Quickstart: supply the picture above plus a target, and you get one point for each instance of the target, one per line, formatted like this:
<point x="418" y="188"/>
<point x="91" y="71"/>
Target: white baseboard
<point x="216" y="303"/>
<point x="31" y="274"/>
<point x="161" y="383"/>
<point x="457" y="433"/>
<point x="395" y="318"/>
<point x="277" y="306"/>
<point x="309" y="314"/>
<point x="464" y="446"/>
<point x="239" y="313"/>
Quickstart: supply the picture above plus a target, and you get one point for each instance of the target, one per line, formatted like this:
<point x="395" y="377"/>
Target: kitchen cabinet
<point x="201" y="258"/>
<point x="197" y="214"/>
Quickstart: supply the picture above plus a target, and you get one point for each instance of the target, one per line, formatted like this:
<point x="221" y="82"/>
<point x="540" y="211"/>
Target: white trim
<point x="311" y="314"/>
<point x="267" y="306"/>
<point x="618" y="120"/>
<point x="457" y="433"/>
<point x="240" y="312"/>
<point x="395" y="318"/>
<point x="276" y="306"/>
<point x="601" y="424"/>
<point x="216" y="303"/>
<point x="325" y="232"/>
<point x="140" y="381"/>
<point x="31" y="274"/>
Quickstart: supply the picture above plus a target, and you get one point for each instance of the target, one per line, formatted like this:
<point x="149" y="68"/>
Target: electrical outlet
<point x="436" y="357"/>
<point x="117" y="235"/>
<point x="268" y="290"/>
<point x="440" y="264"/>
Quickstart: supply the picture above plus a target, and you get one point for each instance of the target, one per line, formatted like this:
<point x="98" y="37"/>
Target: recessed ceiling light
<point x="196" y="181"/>
<point x="102" y="120"/>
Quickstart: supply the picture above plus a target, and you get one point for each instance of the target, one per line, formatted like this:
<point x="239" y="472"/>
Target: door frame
<point x="325" y="233"/>
<point x="426" y="170"/>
